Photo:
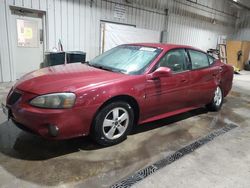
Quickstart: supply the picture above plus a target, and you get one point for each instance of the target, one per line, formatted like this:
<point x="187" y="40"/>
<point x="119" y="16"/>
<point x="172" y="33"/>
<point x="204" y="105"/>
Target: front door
<point x="169" y="94"/>
<point x="27" y="41"/>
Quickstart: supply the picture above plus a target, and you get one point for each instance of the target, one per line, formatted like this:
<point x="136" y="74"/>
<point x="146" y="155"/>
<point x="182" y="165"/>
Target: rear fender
<point x="226" y="80"/>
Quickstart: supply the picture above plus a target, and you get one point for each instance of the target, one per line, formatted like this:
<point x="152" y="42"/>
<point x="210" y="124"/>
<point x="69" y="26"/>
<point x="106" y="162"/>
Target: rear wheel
<point x="216" y="104"/>
<point x="113" y="123"/>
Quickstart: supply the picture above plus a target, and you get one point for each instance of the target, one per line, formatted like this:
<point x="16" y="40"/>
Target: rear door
<point x="202" y="79"/>
<point x="168" y="94"/>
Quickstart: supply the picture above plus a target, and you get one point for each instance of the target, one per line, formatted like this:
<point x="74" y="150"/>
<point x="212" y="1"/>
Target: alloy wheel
<point x="115" y="123"/>
<point x="218" y="96"/>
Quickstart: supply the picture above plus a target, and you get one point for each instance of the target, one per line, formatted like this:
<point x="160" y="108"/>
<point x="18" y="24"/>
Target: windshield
<point x="126" y="59"/>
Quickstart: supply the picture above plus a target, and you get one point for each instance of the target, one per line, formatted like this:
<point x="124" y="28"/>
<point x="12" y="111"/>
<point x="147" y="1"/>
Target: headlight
<point x="55" y="100"/>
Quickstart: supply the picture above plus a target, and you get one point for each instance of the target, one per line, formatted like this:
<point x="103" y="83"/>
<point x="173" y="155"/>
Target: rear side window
<point x="176" y="60"/>
<point x="211" y="59"/>
<point x="198" y="59"/>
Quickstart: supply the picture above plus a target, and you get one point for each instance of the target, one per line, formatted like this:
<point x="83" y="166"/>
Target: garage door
<point x="117" y="34"/>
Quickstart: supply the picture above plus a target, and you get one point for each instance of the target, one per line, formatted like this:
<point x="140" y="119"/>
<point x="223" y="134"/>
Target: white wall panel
<point x="5" y="53"/>
<point x="57" y="28"/>
<point x="243" y="27"/>
<point x="64" y="23"/>
<point x="27" y="3"/>
<point x="43" y="4"/>
<point x="35" y="4"/>
<point x="82" y="24"/>
<point x="77" y="23"/>
<point x="192" y="25"/>
<point x="17" y="2"/>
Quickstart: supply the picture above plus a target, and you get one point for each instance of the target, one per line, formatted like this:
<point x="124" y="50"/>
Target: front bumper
<point x="50" y="123"/>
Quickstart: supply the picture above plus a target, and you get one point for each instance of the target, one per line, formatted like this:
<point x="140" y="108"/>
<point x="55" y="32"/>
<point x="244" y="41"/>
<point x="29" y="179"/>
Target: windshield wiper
<point x="107" y="68"/>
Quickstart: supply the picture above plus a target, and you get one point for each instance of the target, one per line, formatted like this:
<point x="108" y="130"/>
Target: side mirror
<point x="161" y="72"/>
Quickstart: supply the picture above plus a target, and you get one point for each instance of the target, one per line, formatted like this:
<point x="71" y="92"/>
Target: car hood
<point x="65" y="78"/>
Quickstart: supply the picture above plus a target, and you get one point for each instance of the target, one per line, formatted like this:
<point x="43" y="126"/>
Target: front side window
<point x="198" y="59"/>
<point x="176" y="60"/>
<point x="127" y="59"/>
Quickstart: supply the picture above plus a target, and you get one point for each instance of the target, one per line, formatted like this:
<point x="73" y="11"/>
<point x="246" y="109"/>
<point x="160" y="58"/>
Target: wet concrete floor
<point x="27" y="160"/>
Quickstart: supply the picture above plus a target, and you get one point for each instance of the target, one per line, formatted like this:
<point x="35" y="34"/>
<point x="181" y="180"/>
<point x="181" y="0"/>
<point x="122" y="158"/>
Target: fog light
<point x="53" y="130"/>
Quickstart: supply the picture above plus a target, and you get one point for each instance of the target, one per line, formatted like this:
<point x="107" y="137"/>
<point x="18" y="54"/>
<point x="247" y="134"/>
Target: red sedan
<point x="127" y="85"/>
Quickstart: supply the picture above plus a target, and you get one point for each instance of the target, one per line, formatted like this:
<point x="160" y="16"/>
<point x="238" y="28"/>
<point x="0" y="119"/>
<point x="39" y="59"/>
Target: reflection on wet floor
<point x="33" y="159"/>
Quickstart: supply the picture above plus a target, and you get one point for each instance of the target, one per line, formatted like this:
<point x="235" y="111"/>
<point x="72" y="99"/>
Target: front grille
<point x="13" y="98"/>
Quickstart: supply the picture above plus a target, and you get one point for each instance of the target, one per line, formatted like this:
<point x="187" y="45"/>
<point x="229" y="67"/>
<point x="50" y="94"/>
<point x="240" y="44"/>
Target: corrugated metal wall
<point x="77" y="23"/>
<point x="200" y="25"/>
<point x="243" y="27"/>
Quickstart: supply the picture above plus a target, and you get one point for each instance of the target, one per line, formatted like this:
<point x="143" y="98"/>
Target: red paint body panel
<point x="93" y="87"/>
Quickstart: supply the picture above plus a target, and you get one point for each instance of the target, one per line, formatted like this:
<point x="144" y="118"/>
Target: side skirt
<point x="168" y="114"/>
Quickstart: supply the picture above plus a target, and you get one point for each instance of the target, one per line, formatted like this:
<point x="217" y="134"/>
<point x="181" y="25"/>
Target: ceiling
<point x="241" y="4"/>
<point x="245" y="2"/>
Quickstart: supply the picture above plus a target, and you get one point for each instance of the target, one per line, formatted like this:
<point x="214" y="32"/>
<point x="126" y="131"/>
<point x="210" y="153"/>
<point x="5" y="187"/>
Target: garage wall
<point x="243" y="27"/>
<point x="77" y="23"/>
<point x="5" y="53"/>
<point x="200" y="24"/>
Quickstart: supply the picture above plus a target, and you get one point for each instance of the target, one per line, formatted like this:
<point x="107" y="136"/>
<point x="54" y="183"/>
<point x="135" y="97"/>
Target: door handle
<point x="183" y="80"/>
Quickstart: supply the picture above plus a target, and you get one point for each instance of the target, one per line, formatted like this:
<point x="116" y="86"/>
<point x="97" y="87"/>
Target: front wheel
<point x="216" y="104"/>
<point x="112" y="123"/>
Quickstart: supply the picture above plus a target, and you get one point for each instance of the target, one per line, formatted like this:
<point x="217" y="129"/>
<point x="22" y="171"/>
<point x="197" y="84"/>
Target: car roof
<point x="165" y="46"/>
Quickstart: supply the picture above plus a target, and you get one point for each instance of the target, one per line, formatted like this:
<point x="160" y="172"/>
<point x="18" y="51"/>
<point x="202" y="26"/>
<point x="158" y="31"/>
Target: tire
<point x="113" y="123"/>
<point x="217" y="102"/>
